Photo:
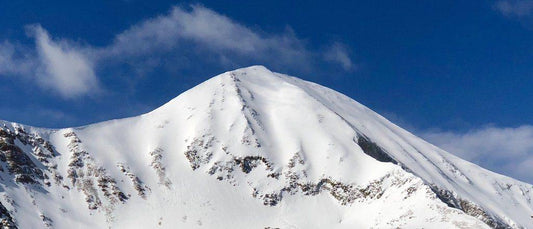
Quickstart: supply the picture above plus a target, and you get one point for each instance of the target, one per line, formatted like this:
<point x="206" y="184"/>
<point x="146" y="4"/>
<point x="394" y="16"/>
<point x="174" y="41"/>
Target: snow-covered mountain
<point x="248" y="149"/>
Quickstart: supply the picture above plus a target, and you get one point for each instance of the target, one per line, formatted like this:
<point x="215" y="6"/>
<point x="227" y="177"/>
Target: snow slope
<point x="248" y="149"/>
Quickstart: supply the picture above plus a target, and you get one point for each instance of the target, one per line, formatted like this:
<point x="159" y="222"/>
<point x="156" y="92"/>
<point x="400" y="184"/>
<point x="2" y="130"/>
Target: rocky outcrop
<point x="198" y="151"/>
<point x="100" y="189"/>
<point x="138" y="185"/>
<point x="372" y="149"/>
<point x="468" y="207"/>
<point x="18" y="163"/>
<point x="160" y="170"/>
<point x="294" y="179"/>
<point x="6" y="220"/>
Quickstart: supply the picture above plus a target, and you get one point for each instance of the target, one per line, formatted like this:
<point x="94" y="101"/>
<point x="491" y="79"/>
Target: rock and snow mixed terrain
<point x="248" y="149"/>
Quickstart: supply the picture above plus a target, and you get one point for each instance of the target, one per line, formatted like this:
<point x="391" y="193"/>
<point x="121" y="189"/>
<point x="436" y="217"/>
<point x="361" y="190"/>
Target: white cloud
<point x="518" y="8"/>
<point x="57" y="66"/>
<point x="504" y="150"/>
<point x="212" y="32"/>
<point x="63" y="68"/>
<point x="338" y="53"/>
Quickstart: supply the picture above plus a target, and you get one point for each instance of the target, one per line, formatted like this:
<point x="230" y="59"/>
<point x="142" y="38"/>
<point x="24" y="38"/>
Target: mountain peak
<point x="252" y="69"/>
<point x="255" y="77"/>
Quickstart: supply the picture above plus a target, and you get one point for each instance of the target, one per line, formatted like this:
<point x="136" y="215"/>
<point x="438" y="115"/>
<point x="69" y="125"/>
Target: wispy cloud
<point x="515" y="8"/>
<point x="338" y="53"/>
<point x="202" y="25"/>
<point x="58" y="66"/>
<point x="504" y="150"/>
<point x="209" y="32"/>
<point x="63" y="67"/>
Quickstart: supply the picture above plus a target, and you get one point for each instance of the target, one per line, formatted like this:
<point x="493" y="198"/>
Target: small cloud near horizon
<point x="503" y="150"/>
<point x="338" y="53"/>
<point x="514" y="8"/>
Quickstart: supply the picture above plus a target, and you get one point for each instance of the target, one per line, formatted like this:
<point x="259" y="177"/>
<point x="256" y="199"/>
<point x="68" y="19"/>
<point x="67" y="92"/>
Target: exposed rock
<point x="451" y="199"/>
<point x="295" y="182"/>
<point x="138" y="185"/>
<point x="18" y="163"/>
<point x="48" y="223"/>
<point x="372" y="149"/>
<point x="250" y="162"/>
<point x="159" y="168"/>
<point x="198" y="152"/>
<point x="6" y="220"/>
<point x="86" y="176"/>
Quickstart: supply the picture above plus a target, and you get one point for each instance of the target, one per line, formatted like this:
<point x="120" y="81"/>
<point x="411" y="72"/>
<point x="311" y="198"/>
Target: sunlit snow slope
<point x="248" y="149"/>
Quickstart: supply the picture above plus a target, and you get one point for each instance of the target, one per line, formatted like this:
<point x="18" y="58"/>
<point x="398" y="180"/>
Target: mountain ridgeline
<point x="249" y="148"/>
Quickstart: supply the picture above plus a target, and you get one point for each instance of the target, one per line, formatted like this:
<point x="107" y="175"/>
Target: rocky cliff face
<point x="248" y="149"/>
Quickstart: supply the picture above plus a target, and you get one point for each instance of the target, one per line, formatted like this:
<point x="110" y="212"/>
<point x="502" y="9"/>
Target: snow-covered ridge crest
<point x="248" y="148"/>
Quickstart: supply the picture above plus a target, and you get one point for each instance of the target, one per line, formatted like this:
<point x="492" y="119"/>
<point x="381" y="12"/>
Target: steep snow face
<point x="248" y="149"/>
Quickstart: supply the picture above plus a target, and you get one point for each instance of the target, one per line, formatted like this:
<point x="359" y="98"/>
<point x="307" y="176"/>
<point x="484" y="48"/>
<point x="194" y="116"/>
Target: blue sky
<point x="458" y="73"/>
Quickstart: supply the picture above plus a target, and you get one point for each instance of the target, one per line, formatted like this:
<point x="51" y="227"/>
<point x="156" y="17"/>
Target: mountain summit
<point x="249" y="148"/>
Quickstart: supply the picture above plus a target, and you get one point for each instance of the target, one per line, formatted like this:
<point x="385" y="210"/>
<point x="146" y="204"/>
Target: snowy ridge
<point x="248" y="149"/>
